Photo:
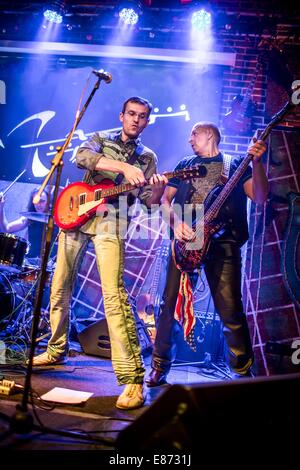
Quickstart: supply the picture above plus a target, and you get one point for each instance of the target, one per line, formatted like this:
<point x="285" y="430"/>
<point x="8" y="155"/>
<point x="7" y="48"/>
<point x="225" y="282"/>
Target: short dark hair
<point x="139" y="100"/>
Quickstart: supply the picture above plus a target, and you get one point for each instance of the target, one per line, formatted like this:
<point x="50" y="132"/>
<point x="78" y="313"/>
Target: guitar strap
<point x="132" y="159"/>
<point x="226" y="168"/>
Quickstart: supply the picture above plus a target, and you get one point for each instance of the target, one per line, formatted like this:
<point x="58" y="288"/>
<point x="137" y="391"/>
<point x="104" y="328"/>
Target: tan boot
<point x="46" y="359"/>
<point x="133" y="396"/>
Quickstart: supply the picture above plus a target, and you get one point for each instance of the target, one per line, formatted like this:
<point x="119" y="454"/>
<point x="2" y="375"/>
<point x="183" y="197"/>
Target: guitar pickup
<point x="97" y="194"/>
<point x="82" y="198"/>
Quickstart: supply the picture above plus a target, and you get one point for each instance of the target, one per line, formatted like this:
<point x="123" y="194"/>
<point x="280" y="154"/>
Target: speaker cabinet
<point x="238" y="415"/>
<point x="95" y="340"/>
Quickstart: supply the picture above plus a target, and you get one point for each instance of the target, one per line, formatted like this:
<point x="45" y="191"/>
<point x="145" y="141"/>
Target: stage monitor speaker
<point x="95" y="340"/>
<point x="239" y="414"/>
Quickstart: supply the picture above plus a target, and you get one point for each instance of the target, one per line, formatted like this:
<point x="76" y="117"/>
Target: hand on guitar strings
<point x="257" y="148"/>
<point x="134" y="175"/>
<point x="183" y="232"/>
<point x="158" y="182"/>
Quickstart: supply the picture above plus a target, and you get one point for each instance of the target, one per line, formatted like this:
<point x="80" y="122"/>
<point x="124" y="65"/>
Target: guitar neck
<point x="122" y="188"/>
<point x="214" y="209"/>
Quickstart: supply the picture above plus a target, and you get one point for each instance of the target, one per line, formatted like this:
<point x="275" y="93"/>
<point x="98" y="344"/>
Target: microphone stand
<point x="22" y="421"/>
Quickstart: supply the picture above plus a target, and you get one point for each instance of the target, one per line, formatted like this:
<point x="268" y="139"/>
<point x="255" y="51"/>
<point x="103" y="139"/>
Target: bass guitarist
<point x="119" y="156"/>
<point x="222" y="263"/>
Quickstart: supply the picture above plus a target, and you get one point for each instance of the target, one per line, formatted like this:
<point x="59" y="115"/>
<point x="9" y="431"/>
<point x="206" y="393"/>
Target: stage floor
<point x="97" y="418"/>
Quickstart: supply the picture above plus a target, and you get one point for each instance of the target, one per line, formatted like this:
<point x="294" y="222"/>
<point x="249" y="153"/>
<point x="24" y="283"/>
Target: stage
<point x="193" y="417"/>
<point x="97" y="417"/>
<point x="231" y="63"/>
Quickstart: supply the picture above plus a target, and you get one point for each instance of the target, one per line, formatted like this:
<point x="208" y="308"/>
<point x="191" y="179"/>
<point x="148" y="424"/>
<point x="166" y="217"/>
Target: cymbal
<point x="36" y="216"/>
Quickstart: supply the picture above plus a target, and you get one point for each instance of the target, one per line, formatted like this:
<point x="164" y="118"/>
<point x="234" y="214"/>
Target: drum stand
<point x="206" y="364"/>
<point x="22" y="421"/>
<point x="22" y="325"/>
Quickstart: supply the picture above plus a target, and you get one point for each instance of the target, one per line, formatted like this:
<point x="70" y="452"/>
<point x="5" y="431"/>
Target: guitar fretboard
<point x="194" y="172"/>
<point x="214" y="209"/>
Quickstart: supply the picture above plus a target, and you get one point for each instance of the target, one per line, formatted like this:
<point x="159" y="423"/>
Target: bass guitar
<point x="188" y="259"/>
<point x="78" y="202"/>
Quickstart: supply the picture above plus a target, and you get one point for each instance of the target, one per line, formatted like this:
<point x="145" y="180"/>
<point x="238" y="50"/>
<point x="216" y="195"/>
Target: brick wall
<point x="236" y="81"/>
<point x="272" y="314"/>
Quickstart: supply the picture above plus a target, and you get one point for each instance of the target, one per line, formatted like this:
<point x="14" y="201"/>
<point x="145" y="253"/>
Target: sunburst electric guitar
<point x="78" y="202"/>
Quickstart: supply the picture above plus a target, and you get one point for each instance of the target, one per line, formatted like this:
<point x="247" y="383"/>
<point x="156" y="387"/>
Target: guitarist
<point x="121" y="157"/>
<point x="222" y="263"/>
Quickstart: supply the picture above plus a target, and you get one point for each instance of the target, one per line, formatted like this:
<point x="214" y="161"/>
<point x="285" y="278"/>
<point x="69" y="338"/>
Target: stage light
<point x="201" y="20"/>
<point x="54" y="12"/>
<point x="129" y="12"/>
<point x="129" y="16"/>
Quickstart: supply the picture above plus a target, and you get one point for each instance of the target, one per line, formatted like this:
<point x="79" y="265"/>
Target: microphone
<point x="106" y="76"/>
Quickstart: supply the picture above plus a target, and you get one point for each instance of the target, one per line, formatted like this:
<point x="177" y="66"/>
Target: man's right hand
<point x="183" y="232"/>
<point x="134" y="175"/>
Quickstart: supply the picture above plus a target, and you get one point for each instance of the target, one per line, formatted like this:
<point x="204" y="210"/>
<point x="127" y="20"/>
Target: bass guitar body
<point x="187" y="259"/>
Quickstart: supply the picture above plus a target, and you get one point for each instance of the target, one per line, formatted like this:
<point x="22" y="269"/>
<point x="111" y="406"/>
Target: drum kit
<point x="19" y="278"/>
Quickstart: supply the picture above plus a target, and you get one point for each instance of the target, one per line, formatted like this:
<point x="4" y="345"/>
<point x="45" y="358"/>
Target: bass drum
<point x="12" y="252"/>
<point x="14" y="297"/>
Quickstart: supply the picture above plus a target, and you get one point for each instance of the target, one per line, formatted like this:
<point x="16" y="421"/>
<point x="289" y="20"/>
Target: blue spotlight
<point x="54" y="12"/>
<point x="129" y="12"/>
<point x="201" y="20"/>
<point x="129" y="16"/>
<point x="52" y="16"/>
